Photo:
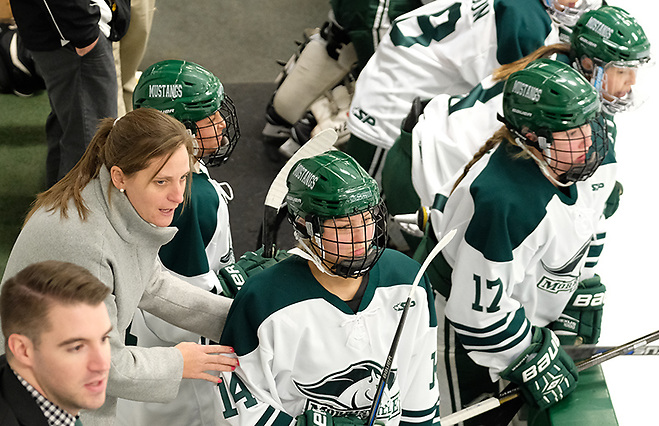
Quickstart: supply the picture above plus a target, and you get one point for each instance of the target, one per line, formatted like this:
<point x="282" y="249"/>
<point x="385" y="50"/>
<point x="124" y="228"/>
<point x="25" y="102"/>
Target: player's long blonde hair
<point x="130" y="143"/>
<point x="500" y="74"/>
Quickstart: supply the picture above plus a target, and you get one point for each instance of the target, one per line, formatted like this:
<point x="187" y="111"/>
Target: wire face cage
<point x="350" y="245"/>
<point x="218" y="134"/>
<point x="575" y="154"/>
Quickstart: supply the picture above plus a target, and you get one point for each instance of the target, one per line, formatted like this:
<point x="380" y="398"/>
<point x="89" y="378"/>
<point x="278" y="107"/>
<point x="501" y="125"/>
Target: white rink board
<point x="630" y="252"/>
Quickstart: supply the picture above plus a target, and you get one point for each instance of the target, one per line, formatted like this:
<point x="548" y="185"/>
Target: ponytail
<point x="71" y="185"/>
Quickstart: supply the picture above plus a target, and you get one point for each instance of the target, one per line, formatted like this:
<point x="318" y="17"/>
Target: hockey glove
<point x="413" y="116"/>
<point x="544" y="372"/>
<point x="315" y="417"/>
<point x="232" y="277"/>
<point x="613" y="201"/>
<point x="581" y="320"/>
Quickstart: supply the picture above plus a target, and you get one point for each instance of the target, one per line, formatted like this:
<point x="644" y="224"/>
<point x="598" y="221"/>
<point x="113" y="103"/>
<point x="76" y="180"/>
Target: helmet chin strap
<point x="306" y="252"/>
<point x="542" y="164"/>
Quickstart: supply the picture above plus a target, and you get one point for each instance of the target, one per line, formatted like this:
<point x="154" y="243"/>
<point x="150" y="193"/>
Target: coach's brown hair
<point x="130" y="143"/>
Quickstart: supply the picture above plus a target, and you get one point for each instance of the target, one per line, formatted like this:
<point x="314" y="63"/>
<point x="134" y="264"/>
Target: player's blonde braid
<point x="504" y="71"/>
<point x="500" y="135"/>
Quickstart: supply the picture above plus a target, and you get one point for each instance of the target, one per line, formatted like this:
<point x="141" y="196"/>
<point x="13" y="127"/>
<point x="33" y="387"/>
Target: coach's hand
<point x="198" y="359"/>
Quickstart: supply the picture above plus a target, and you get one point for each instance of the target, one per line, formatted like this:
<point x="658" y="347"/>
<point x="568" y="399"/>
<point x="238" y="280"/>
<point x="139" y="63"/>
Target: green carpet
<point x="22" y="162"/>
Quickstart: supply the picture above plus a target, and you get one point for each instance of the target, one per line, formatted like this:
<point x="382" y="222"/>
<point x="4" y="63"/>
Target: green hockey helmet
<point x="543" y="105"/>
<point x="619" y="52"/>
<point x="194" y="96"/>
<point x="337" y="212"/>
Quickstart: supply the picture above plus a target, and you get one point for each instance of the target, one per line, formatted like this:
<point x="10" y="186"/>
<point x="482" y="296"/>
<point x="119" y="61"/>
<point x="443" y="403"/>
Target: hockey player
<point x="202" y="251"/>
<point x="322" y="72"/>
<point x="447" y="47"/>
<point x="449" y="130"/>
<point x="526" y="208"/>
<point x="313" y="331"/>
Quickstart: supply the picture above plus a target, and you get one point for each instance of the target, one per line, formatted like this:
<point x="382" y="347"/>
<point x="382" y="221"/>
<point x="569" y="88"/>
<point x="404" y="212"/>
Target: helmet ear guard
<point x="541" y="139"/>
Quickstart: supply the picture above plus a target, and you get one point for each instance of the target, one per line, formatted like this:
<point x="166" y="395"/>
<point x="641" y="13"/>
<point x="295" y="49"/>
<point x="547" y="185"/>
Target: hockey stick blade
<point x="320" y="143"/>
<point x="394" y="345"/>
<point x="495" y="402"/>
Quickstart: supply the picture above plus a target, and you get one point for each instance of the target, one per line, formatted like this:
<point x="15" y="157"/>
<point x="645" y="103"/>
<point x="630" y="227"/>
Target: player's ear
<point x="586" y="63"/>
<point x="21" y="348"/>
<point x="531" y="136"/>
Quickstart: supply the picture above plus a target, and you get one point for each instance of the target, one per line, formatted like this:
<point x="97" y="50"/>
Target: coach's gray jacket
<point x="120" y="248"/>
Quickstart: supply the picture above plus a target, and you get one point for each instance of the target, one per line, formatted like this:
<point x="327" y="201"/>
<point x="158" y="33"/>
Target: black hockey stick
<point x="386" y="370"/>
<point x="496" y="401"/>
<point x="584" y="351"/>
<point x="320" y="143"/>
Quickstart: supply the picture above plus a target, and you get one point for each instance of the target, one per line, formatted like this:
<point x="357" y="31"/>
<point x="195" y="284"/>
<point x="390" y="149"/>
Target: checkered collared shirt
<point x="55" y="415"/>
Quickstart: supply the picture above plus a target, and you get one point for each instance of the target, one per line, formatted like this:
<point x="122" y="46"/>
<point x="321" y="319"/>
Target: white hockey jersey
<point x="448" y="134"/>
<point x="301" y="347"/>
<point x="519" y="252"/>
<point x="447" y="47"/>
<point x="201" y="247"/>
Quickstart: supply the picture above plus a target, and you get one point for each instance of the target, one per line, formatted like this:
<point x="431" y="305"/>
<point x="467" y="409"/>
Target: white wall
<point x="630" y="253"/>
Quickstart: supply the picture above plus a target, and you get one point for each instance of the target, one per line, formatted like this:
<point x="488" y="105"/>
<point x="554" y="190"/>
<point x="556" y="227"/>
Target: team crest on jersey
<point x="228" y="257"/>
<point x="568" y="273"/>
<point x="556" y="286"/>
<point x="352" y="390"/>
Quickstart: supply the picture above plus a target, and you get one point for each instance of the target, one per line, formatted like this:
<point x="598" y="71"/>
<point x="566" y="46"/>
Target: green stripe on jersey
<point x="185" y="254"/>
<point x="510" y="197"/>
<point x="477" y="94"/>
<point x="522" y="27"/>
<point x="291" y="281"/>
<point x="517" y="323"/>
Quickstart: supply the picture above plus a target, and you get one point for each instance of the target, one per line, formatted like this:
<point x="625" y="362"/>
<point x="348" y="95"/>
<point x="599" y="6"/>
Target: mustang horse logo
<point x="352" y="389"/>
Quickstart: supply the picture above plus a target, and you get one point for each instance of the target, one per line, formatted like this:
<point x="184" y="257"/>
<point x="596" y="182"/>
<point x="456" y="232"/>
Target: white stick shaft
<point x="431" y="256"/>
<point x="471" y="411"/>
<point x="320" y="143"/>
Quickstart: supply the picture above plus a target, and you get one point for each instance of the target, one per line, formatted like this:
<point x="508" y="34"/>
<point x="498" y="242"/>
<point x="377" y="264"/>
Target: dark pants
<point x="81" y="90"/>
<point x="369" y="156"/>
<point x="399" y="193"/>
